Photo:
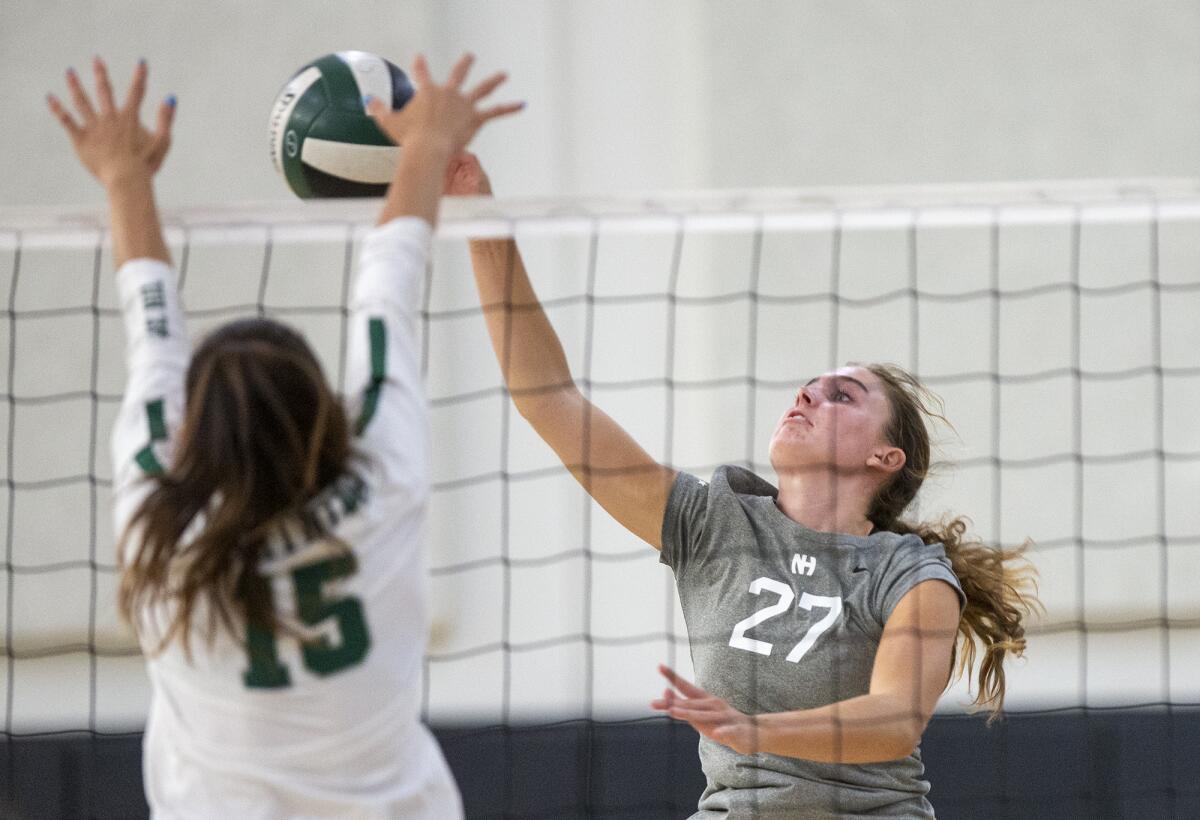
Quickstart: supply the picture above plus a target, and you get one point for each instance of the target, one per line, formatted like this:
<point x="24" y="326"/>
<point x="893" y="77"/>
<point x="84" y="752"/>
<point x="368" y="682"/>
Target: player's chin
<point x="784" y="433"/>
<point x="801" y="453"/>
<point x="786" y="455"/>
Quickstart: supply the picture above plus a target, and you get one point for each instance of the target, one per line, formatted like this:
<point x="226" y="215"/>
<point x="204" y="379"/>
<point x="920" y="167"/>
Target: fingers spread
<point x="161" y="140"/>
<point x="63" y="116"/>
<point x="104" y="95"/>
<point x="498" y="111"/>
<point x="166" y="116"/>
<point x="420" y="70"/>
<point x="80" y="97"/>
<point x="487" y="86"/>
<point x="137" y="88"/>
<point x="459" y="72"/>
<point x="665" y="702"/>
<point x="681" y="712"/>
<point x="682" y="684"/>
<point x="374" y="106"/>
<point x="709" y="704"/>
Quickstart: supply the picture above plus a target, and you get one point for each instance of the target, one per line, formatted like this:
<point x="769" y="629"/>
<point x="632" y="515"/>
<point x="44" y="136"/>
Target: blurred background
<point x="626" y="95"/>
<point x="663" y="96"/>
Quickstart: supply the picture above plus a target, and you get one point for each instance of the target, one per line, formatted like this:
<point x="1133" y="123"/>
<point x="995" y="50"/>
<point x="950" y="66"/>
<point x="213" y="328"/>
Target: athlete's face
<point x="837" y="420"/>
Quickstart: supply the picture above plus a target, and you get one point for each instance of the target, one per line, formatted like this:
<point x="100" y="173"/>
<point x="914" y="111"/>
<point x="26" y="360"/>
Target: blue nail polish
<point x="141" y="61"/>
<point x="71" y="70"/>
<point x="367" y="99"/>
<point x="171" y="100"/>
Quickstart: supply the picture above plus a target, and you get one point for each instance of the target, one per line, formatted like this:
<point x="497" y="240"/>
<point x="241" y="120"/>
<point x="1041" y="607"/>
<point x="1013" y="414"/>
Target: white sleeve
<point x="383" y="370"/>
<point x="157" y="353"/>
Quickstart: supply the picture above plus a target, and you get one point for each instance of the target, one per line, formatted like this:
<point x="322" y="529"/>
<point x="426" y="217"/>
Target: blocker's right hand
<point x="111" y="142"/>
<point x="441" y="113"/>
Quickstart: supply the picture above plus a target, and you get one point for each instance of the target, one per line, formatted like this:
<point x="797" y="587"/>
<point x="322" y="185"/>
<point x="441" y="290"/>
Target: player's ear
<point x="887" y="458"/>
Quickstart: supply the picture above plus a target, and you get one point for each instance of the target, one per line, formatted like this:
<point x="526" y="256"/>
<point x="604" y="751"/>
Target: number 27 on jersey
<point x="739" y="639"/>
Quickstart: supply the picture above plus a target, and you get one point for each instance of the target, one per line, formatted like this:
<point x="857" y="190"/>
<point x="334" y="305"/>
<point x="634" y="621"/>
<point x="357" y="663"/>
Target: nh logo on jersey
<point x="803" y="564"/>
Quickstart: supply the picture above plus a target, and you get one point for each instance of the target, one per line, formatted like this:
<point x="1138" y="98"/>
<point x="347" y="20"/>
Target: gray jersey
<point x="782" y="618"/>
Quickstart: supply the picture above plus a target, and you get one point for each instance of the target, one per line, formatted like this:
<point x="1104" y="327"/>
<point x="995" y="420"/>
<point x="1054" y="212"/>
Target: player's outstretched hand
<point x="442" y="112"/>
<point x="111" y="141"/>
<point x="466" y="177"/>
<point x="708" y="714"/>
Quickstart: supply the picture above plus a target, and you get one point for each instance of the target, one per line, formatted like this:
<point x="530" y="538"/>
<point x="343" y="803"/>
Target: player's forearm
<point x="133" y="215"/>
<point x="866" y="729"/>
<point x="416" y="188"/>
<point x="529" y="351"/>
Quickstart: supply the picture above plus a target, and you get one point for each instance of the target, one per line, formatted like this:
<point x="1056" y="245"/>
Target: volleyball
<point x="322" y="141"/>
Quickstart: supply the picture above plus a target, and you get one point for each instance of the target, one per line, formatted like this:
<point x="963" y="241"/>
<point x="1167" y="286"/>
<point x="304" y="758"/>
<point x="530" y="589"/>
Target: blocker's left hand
<point x="708" y="714"/>
<point x="110" y="140"/>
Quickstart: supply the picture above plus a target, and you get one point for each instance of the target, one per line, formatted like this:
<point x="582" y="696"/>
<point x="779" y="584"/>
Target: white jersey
<point x="272" y="726"/>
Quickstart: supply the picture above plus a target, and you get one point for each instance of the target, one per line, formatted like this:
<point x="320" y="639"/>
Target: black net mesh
<point x="1061" y="329"/>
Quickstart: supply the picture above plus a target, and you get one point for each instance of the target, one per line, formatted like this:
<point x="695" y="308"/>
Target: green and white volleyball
<point x="322" y="141"/>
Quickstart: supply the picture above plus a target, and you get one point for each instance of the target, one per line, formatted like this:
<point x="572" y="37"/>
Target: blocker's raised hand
<point x="111" y="141"/>
<point x="442" y="112"/>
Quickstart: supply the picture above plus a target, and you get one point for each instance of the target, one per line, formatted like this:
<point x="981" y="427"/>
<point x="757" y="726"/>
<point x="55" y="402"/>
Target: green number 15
<point x="320" y="656"/>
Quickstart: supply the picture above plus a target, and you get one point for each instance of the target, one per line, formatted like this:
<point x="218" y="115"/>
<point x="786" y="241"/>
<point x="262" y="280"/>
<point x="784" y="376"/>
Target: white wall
<point x="627" y="95"/>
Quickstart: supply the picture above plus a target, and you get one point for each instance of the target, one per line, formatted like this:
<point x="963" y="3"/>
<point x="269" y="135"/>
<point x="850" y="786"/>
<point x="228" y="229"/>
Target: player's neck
<point x="825" y="502"/>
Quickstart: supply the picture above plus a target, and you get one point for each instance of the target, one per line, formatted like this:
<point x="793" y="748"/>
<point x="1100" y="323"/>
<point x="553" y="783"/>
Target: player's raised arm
<point x="383" y="367"/>
<point x="438" y="123"/>
<point x="614" y="468"/>
<point x="123" y="155"/>
<point x="114" y="146"/>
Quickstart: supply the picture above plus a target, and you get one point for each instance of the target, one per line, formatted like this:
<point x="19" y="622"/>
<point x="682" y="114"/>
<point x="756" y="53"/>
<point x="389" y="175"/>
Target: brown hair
<point x="999" y="583"/>
<point x="262" y="433"/>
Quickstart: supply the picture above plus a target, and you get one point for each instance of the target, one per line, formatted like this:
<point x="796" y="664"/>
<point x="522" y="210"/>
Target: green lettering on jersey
<point x="321" y="657"/>
<point x="377" y="332"/>
<point x="265" y="672"/>
<point x="154" y="296"/>
<point x="145" y="457"/>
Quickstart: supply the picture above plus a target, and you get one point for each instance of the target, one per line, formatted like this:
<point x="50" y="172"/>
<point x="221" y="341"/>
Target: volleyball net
<point x="1060" y="322"/>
